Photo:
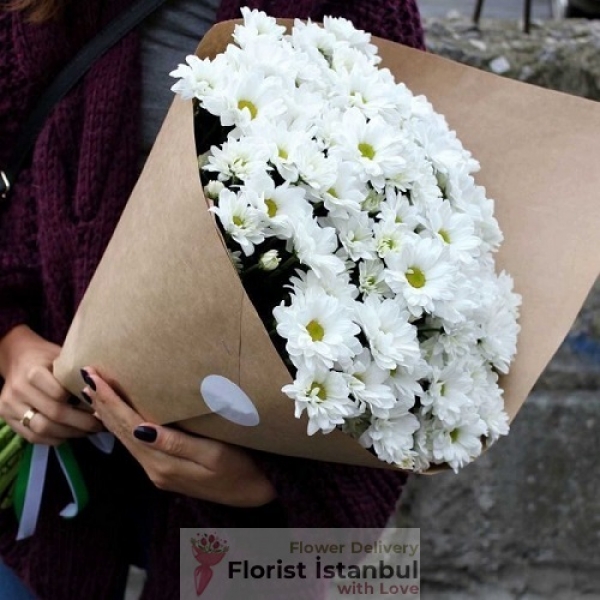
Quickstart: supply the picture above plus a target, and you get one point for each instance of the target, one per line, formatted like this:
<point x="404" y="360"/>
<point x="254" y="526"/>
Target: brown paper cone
<point x="166" y="308"/>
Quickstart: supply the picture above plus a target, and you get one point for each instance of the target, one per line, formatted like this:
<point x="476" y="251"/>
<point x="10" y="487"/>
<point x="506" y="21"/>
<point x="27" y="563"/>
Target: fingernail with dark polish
<point x="145" y="433"/>
<point x="73" y="401"/>
<point x="88" y="380"/>
<point x="86" y="398"/>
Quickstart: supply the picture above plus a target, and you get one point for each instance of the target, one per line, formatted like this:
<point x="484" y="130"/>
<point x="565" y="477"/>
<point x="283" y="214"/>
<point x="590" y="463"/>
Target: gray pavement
<point x="493" y="9"/>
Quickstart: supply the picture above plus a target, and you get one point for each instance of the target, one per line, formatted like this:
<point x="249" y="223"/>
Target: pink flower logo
<point x="209" y="550"/>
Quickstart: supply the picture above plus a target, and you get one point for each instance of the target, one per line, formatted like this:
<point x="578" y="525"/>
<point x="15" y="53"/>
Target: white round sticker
<point x="227" y="400"/>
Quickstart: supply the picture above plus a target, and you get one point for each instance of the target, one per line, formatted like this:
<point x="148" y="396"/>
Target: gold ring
<point x="26" y="419"/>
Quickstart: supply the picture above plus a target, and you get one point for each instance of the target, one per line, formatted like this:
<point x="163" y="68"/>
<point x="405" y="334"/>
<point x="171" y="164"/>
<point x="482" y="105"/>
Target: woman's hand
<point x="181" y="462"/>
<point x="31" y="389"/>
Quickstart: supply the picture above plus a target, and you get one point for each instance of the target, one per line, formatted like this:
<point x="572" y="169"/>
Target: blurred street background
<point x="498" y="9"/>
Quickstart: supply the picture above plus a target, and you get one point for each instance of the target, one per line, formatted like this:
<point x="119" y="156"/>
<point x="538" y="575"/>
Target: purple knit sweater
<point x="52" y="235"/>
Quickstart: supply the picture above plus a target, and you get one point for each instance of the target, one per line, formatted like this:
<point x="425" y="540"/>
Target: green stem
<point x="291" y="261"/>
<point x="250" y="269"/>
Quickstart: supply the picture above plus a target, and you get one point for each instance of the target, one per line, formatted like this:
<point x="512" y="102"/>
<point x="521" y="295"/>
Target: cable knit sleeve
<point x="19" y="276"/>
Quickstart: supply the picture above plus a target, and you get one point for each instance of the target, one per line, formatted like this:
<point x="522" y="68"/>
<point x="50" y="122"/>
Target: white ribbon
<point x="33" y="495"/>
<point x="37" y="477"/>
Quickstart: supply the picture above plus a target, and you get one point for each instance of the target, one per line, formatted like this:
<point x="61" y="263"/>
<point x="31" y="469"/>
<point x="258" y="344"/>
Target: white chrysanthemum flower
<point x="422" y="274"/>
<point x="356" y="236"/>
<point x="499" y="329"/>
<point x="199" y="77"/>
<point x="250" y="96"/>
<point x="315" y="247"/>
<point x="371" y="279"/>
<point x="325" y="129"/>
<point x="283" y="206"/>
<point x="423" y="444"/>
<point x="305" y="107"/>
<point x="257" y="25"/>
<point x="365" y="92"/>
<point x="392" y="236"/>
<point x="195" y="78"/>
<point x="469" y="198"/>
<point x="238" y="159"/>
<point x="406" y="383"/>
<point x="372" y="203"/>
<point x="344" y="31"/>
<point x="453" y="342"/>
<point x="318" y="329"/>
<point x="425" y="188"/>
<point x="447" y="397"/>
<point x="339" y="286"/>
<point x="492" y="413"/>
<point x="240" y="220"/>
<point x="314" y="168"/>
<point x="345" y="196"/>
<point x="325" y="397"/>
<point x="236" y="259"/>
<point x="313" y="40"/>
<point x="283" y="140"/>
<point x="397" y="209"/>
<point x="441" y="145"/>
<point x="416" y="176"/>
<point x="458" y="311"/>
<point x="371" y="144"/>
<point x="486" y="226"/>
<point x="459" y="446"/>
<point x="262" y="55"/>
<point x="367" y="384"/>
<point x="392" y="438"/>
<point x="452" y="228"/>
<point x="392" y="339"/>
<point x="346" y="58"/>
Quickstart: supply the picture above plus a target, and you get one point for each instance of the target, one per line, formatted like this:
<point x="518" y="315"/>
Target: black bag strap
<point x="65" y="80"/>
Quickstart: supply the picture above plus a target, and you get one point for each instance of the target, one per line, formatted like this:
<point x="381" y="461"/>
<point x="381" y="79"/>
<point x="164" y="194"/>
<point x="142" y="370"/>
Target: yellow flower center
<point x="454" y="435"/>
<point x="316" y="331"/>
<point x="332" y="192"/>
<point x="444" y="235"/>
<point x="367" y="150"/>
<point x="238" y="221"/>
<point x="387" y="244"/>
<point x="415" y="277"/>
<point x="319" y="390"/>
<point x="282" y="154"/>
<point x="271" y="207"/>
<point x="250" y="106"/>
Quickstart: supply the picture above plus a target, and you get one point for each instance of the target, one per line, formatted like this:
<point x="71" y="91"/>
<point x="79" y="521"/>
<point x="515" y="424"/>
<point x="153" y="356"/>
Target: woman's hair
<point x="38" y="10"/>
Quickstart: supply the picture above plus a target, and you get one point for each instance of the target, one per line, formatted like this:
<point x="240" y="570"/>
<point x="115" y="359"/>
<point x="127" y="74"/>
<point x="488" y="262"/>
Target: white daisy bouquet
<point x="350" y="210"/>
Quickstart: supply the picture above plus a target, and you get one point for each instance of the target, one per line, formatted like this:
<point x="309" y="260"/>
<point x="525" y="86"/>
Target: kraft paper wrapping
<point x="166" y="308"/>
